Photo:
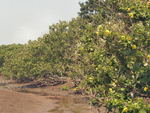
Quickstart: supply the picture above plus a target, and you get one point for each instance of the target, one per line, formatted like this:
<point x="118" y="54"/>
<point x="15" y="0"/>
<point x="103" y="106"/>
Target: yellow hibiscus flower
<point x="125" y="109"/>
<point x="131" y="15"/>
<point x="133" y="46"/>
<point x="107" y="32"/>
<point x="90" y="78"/>
<point x="148" y="57"/>
<point x="110" y="89"/>
<point x="123" y="37"/>
<point x="145" y="89"/>
<point x="129" y="38"/>
<point x="97" y="33"/>
<point x="99" y="27"/>
<point x="129" y="9"/>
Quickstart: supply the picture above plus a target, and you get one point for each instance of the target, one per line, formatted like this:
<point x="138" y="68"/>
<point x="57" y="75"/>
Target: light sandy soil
<point x="14" y="102"/>
<point x="48" y="99"/>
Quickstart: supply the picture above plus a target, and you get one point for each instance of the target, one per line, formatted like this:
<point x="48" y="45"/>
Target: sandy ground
<point x="14" y="102"/>
<point x="48" y="99"/>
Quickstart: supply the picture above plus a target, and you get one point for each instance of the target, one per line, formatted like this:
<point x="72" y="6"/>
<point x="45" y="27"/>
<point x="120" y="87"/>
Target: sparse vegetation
<point x="65" y="88"/>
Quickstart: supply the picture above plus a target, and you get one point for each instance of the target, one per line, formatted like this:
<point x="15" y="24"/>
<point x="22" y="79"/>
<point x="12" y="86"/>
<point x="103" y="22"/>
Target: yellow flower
<point x="90" y="78"/>
<point x="148" y="57"/>
<point x="133" y="46"/>
<point x="113" y="84"/>
<point x="123" y="37"/>
<point x="145" y="89"/>
<point x="110" y="89"/>
<point x="148" y="3"/>
<point x="107" y="32"/>
<point x="129" y="38"/>
<point x="129" y="9"/>
<point x="97" y="33"/>
<point x="125" y="109"/>
<point x="131" y="15"/>
<point x="99" y="27"/>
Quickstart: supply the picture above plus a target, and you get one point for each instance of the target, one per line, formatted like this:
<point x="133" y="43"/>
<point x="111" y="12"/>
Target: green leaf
<point x="122" y="89"/>
<point x="143" y="111"/>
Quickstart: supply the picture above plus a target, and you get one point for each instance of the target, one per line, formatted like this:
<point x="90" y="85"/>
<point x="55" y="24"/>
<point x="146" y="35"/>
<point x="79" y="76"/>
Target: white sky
<point x="23" y="20"/>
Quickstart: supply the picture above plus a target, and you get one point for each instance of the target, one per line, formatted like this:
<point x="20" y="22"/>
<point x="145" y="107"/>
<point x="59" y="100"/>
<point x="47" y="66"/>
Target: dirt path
<point x="14" y="102"/>
<point x="49" y="99"/>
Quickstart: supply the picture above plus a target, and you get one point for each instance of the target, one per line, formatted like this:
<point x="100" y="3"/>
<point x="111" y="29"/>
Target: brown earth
<point x="14" y="102"/>
<point x="42" y="97"/>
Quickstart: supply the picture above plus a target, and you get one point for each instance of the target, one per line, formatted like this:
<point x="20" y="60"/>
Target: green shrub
<point x="65" y="88"/>
<point x="115" y="55"/>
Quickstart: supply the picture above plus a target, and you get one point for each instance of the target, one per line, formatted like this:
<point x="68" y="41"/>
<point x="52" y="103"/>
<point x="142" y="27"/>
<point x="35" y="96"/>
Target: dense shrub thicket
<point x="116" y="54"/>
<point x="108" y="46"/>
<point x="48" y="55"/>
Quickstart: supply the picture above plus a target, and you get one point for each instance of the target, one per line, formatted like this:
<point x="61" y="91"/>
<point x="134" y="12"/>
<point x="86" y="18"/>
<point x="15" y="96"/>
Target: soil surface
<point x="42" y="96"/>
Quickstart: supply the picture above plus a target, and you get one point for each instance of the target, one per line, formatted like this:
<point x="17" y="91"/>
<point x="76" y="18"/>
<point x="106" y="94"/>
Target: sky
<point x="24" y="20"/>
